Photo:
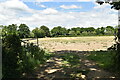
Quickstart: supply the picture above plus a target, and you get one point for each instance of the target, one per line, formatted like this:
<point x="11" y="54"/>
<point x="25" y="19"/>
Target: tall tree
<point x="57" y="31"/>
<point x="91" y="29"/>
<point x="24" y="31"/>
<point x="109" y="30"/>
<point x="11" y="29"/>
<point x="100" y="31"/>
<point x="46" y="30"/>
<point x="11" y="48"/>
<point x="38" y="33"/>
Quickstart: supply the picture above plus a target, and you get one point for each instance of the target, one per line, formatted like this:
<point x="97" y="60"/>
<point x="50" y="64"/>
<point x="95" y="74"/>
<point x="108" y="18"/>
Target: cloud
<point x="15" y="5"/>
<point x="43" y="6"/>
<point x="40" y="5"/>
<point x="49" y="11"/>
<point x="72" y="19"/>
<point x="70" y="7"/>
<point x="21" y="13"/>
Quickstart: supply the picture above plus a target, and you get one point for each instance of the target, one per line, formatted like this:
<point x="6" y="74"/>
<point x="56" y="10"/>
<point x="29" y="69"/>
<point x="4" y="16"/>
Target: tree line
<point x="43" y="31"/>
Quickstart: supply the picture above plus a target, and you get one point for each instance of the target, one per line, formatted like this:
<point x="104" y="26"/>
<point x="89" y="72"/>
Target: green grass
<point x="48" y="55"/>
<point x="71" y="59"/>
<point x="104" y="59"/>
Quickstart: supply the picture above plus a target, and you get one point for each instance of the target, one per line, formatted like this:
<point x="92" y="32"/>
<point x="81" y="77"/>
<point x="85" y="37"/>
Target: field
<point x="92" y="43"/>
<point x="76" y="57"/>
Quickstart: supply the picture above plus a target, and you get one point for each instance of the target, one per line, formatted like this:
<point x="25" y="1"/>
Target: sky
<point x="52" y="13"/>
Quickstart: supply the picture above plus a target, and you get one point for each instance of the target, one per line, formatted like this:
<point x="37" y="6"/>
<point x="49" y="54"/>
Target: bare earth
<point x="76" y="43"/>
<point x="53" y="68"/>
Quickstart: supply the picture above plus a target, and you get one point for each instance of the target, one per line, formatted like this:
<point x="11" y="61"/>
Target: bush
<point x="18" y="59"/>
<point x="31" y="56"/>
<point x="11" y="49"/>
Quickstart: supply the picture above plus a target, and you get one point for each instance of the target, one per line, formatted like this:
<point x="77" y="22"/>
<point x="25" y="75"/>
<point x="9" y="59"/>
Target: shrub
<point x="31" y="56"/>
<point x="18" y="59"/>
<point x="11" y="49"/>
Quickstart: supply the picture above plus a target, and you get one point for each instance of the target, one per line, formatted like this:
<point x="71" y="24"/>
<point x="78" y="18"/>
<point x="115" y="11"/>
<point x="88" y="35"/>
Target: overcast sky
<point x="52" y="13"/>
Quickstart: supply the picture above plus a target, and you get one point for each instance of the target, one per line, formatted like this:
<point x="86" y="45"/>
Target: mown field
<point x="91" y="43"/>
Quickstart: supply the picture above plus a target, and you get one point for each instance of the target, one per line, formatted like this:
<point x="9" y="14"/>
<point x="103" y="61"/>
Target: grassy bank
<point x="104" y="59"/>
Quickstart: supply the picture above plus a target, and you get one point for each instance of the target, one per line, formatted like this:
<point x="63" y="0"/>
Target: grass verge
<point x="104" y="59"/>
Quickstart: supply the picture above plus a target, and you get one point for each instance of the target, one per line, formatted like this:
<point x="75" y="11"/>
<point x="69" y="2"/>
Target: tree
<point x="32" y="35"/>
<point x="77" y="30"/>
<point x="1" y="31"/>
<point x="57" y="31"/>
<point x="24" y="31"/>
<point x="72" y="33"/>
<point x="11" y="29"/>
<point x="11" y="48"/>
<point x="116" y="6"/>
<point x="74" y="29"/>
<point x="100" y="31"/>
<point x="16" y="58"/>
<point x="64" y="31"/>
<point x="38" y="33"/>
<point x="46" y="30"/>
<point x="109" y="30"/>
<point x="91" y="29"/>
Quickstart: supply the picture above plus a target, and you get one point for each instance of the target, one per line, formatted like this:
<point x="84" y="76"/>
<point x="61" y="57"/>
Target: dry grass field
<point x="92" y="43"/>
<point x="71" y="60"/>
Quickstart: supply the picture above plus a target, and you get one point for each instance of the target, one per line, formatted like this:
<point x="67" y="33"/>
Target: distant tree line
<point x="59" y="31"/>
<point x="43" y="31"/>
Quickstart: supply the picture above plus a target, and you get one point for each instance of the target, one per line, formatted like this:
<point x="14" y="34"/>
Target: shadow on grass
<point x="66" y="64"/>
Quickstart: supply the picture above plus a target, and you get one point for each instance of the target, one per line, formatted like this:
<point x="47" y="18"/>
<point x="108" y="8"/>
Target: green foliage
<point x="115" y="5"/>
<point x="46" y="30"/>
<point x="117" y="56"/>
<point x="16" y="58"/>
<point x="1" y="31"/>
<point x="31" y="56"/>
<point x="31" y="35"/>
<point x="24" y="31"/>
<point x="72" y="33"/>
<point x="9" y="30"/>
<point x="58" y="31"/>
<point x="109" y="30"/>
<point x="39" y="33"/>
<point x="11" y="48"/>
<point x="70" y="58"/>
<point x="89" y="31"/>
<point x="103" y="58"/>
